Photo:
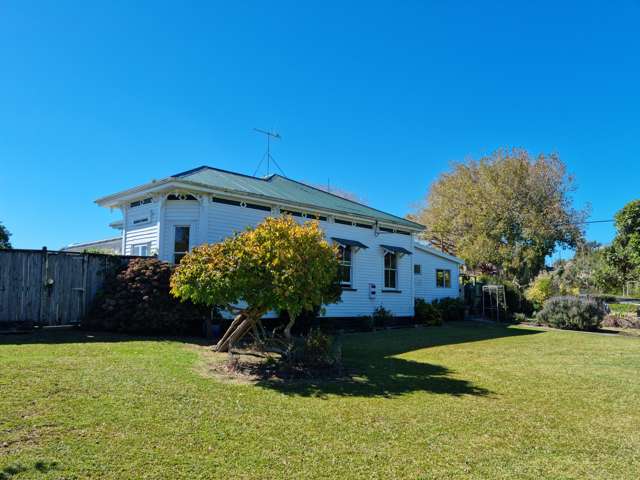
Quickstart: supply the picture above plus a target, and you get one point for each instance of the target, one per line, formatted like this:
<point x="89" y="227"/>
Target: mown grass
<point x="460" y="401"/>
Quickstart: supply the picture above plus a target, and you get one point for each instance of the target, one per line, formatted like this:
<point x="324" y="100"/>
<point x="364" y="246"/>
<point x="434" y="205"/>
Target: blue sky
<point x="96" y="97"/>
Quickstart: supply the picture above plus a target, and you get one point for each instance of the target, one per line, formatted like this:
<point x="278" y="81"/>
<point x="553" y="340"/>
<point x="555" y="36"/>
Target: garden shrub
<point x="451" y="309"/>
<point x="315" y="350"/>
<point x="426" y="313"/>
<point x="366" y="323"/>
<point x="517" y="302"/>
<point x="572" y="313"/>
<point x="137" y="300"/>
<point x="542" y="288"/>
<point x="621" y="320"/>
<point x="519" y="317"/>
<point x="382" y="317"/>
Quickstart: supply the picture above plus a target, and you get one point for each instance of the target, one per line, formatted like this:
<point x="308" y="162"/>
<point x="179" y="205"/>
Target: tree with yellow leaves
<point x="278" y="265"/>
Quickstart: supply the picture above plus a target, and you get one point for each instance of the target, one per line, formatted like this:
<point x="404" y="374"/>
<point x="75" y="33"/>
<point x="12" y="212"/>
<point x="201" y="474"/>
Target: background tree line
<point x="506" y="213"/>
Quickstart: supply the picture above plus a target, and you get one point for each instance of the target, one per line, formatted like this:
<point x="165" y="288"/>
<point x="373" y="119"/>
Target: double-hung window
<point x="443" y="278"/>
<point x="390" y="270"/>
<point x="345" y="270"/>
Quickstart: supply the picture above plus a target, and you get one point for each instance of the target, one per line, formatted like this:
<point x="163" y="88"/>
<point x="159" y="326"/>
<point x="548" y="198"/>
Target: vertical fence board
<point x="51" y="288"/>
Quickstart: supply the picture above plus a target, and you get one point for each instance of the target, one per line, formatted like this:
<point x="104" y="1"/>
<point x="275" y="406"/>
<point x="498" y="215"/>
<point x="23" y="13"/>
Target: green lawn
<point x="461" y="401"/>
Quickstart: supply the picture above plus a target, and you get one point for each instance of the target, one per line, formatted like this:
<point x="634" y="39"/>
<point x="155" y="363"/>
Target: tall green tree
<point x="507" y="211"/>
<point x="623" y="255"/>
<point x="4" y="237"/>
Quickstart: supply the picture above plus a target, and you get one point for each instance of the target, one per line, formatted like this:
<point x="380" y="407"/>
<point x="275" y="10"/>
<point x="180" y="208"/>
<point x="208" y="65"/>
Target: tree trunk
<point x="241" y="325"/>
<point x="236" y="321"/>
<point x="287" y="329"/>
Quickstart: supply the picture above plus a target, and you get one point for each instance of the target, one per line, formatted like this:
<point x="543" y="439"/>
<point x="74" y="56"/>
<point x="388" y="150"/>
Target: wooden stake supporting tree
<point x="278" y="265"/>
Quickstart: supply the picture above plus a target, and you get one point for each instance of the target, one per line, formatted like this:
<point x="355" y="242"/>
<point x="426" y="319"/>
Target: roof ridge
<point x="207" y="167"/>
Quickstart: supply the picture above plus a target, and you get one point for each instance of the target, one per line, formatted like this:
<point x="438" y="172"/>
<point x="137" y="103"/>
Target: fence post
<point x="43" y="277"/>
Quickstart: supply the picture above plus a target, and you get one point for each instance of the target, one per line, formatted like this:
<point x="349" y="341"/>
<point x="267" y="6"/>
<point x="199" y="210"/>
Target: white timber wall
<point x="425" y="283"/>
<point x="368" y="264"/>
<point x="211" y="222"/>
<point x="179" y="213"/>
<point x="141" y="227"/>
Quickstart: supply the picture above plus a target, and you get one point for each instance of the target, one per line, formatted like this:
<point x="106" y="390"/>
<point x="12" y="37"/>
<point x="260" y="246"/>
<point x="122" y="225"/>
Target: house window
<point x="344" y="271"/>
<point x="141" y="250"/>
<point x="390" y="270"/>
<point x="137" y="203"/>
<point x="443" y="278"/>
<point x="181" y="243"/>
<point x="417" y="269"/>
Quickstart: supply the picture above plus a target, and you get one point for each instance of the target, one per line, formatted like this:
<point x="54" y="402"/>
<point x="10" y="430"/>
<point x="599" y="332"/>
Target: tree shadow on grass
<point x="373" y="369"/>
<point x="69" y="335"/>
<point x="387" y="378"/>
<point x="39" y="467"/>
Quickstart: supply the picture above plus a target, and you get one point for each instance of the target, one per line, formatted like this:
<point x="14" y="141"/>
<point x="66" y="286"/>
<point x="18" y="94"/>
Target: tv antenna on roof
<point x="267" y="155"/>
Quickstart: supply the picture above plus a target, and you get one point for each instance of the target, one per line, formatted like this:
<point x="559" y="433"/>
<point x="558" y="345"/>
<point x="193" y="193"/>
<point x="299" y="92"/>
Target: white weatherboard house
<point x="382" y="262"/>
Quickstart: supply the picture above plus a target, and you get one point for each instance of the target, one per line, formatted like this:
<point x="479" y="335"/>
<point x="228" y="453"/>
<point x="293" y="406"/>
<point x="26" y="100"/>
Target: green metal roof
<point x="281" y="188"/>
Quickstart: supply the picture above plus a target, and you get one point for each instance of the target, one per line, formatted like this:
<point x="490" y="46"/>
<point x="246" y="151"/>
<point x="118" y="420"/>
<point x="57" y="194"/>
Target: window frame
<point x="388" y="269"/>
<point x="418" y="270"/>
<point x="446" y="278"/>
<point x="146" y="245"/>
<point x="345" y="263"/>
<point x="175" y="252"/>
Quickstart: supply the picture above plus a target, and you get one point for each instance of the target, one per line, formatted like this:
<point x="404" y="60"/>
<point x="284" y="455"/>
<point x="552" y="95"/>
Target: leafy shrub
<point x="542" y="288"/>
<point x="451" y="309"/>
<point x="520" y="317"/>
<point x="517" y="302"/>
<point x="381" y="316"/>
<point x="571" y="313"/>
<point x="621" y="321"/>
<point x="426" y="313"/>
<point x="315" y="350"/>
<point x="137" y="300"/>
<point x="366" y="323"/>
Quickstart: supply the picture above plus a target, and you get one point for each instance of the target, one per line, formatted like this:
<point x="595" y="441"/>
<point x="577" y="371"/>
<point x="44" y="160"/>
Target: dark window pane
<point x="177" y="257"/>
<point x="344" y="274"/>
<point x="390" y="279"/>
<point x="181" y="243"/>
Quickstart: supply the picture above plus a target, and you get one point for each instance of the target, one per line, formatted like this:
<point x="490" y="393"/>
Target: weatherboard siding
<point x="225" y="220"/>
<point x="211" y="222"/>
<point x="368" y="264"/>
<point x="179" y="213"/>
<point x="425" y="283"/>
<point x="142" y="233"/>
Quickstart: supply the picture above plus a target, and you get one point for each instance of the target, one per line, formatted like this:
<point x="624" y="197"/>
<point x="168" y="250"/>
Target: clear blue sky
<point x="96" y="97"/>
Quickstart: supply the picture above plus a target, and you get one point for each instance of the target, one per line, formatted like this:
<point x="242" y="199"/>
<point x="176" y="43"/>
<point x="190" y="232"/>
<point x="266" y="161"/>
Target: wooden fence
<point x="42" y="287"/>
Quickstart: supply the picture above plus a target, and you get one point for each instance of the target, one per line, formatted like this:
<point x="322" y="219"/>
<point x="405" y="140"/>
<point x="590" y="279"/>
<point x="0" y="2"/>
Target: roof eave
<point x="438" y="253"/>
<point x="116" y="199"/>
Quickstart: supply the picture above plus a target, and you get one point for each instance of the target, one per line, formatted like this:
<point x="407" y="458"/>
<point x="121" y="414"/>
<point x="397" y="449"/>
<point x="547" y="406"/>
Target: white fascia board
<point x="115" y="200"/>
